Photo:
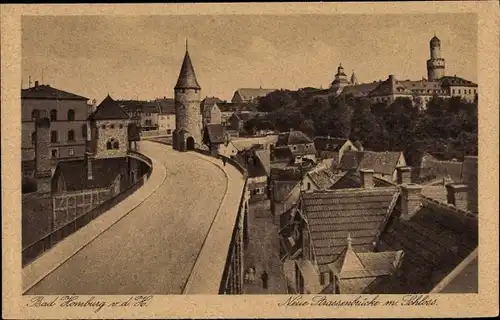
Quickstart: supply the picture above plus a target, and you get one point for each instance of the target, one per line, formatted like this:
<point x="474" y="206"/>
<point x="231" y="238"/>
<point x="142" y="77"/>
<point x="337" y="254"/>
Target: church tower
<point x="187" y="133"/>
<point x="435" y="65"/>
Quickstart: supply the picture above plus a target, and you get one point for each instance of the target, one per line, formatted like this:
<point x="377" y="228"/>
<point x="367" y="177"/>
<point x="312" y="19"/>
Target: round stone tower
<point x="436" y="64"/>
<point x="187" y="133"/>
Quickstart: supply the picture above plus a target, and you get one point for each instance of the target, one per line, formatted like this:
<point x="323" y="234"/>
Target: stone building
<point x="187" y="133"/>
<point x="166" y="118"/>
<point x="67" y="113"/>
<point x="109" y="130"/>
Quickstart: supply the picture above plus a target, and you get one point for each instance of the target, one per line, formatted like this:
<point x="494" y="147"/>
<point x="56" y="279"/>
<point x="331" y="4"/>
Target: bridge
<point x="185" y="237"/>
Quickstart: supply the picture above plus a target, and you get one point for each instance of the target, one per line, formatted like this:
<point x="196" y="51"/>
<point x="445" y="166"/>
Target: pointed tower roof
<point x="435" y="40"/>
<point x="347" y="262"/>
<point x="109" y="110"/>
<point x="187" y="77"/>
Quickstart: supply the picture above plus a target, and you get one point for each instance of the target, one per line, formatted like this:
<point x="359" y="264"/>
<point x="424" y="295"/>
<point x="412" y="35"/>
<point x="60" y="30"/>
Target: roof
<point x="380" y="162"/>
<point x="329" y="143"/>
<point x="323" y="178"/>
<point x="465" y="281"/>
<point x="209" y="101"/>
<point x="435" y="241"/>
<point x="456" y="81"/>
<point x="292" y="137"/>
<point x="360" y="90"/>
<point x="248" y="94"/>
<point x="109" y="109"/>
<point x="48" y="92"/>
<point x="283" y="188"/>
<point x="432" y="168"/>
<point x="435" y="40"/>
<point x="167" y="105"/>
<point x="215" y="133"/>
<point x="235" y="107"/>
<point x="388" y="87"/>
<point x="74" y="173"/>
<point x="332" y="214"/>
<point x="187" y="77"/>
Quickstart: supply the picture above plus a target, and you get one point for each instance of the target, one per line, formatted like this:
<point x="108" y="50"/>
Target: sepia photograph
<point x="303" y="156"/>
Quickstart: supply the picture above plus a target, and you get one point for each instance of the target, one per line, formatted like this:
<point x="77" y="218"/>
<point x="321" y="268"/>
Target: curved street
<point x="152" y="250"/>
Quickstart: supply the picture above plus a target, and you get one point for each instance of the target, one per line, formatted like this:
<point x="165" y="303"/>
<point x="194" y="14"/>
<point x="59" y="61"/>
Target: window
<point x="308" y="186"/>
<point x="112" y="144"/>
<point x="116" y="145"/>
<point x="470" y="91"/>
<point x="112" y="126"/>
<point x="53" y="136"/>
<point x="71" y="135"/>
<point x="109" y="145"/>
<point x="33" y="137"/>
<point x="121" y="126"/>
<point x="453" y="91"/>
<point x="53" y="153"/>
<point x="458" y="91"/>
<point x="35" y="114"/>
<point x="53" y="115"/>
<point x="475" y="91"/>
<point x="103" y="126"/>
<point x="169" y="131"/>
<point x="71" y="115"/>
<point x="71" y="151"/>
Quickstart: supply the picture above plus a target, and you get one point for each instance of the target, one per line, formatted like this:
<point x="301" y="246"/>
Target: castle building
<point x="187" y="133"/>
<point x="420" y="92"/>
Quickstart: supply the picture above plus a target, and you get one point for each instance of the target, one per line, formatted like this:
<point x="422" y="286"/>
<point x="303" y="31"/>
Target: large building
<point x="187" y="133"/>
<point x="419" y="91"/>
<point x="67" y="113"/>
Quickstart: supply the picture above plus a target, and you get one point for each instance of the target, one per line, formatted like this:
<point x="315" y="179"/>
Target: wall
<point x="467" y="93"/>
<point x="187" y="110"/>
<point x="166" y="122"/>
<point x="61" y="125"/>
<point x="32" y="250"/>
<point x="112" y="130"/>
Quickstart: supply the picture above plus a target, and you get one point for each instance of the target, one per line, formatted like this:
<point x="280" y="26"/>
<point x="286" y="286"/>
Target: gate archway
<point x="190" y="143"/>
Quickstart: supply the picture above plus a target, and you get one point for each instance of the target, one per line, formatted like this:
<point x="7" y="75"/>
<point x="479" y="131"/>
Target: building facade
<point x="187" y="133"/>
<point x="67" y="113"/>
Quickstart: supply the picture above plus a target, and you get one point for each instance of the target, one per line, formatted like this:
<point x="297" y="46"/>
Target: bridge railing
<point x="34" y="250"/>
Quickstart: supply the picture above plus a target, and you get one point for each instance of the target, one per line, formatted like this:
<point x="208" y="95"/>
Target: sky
<point x="139" y="57"/>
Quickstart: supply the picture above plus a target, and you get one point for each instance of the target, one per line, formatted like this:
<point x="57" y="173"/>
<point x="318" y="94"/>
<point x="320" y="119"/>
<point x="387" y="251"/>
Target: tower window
<point x="112" y="144"/>
<point x="53" y="136"/>
<point x="53" y="115"/>
<point x="71" y="135"/>
<point x="71" y="115"/>
<point x="35" y="114"/>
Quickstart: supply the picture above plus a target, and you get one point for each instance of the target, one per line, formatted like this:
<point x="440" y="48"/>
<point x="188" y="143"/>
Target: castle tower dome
<point x="187" y="133"/>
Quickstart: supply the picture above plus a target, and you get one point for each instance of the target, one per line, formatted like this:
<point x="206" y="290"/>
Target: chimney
<point x="469" y="177"/>
<point x="36" y="83"/>
<point x="404" y="175"/>
<point x="457" y="195"/>
<point x="366" y="178"/>
<point x="410" y="199"/>
<point x="43" y="173"/>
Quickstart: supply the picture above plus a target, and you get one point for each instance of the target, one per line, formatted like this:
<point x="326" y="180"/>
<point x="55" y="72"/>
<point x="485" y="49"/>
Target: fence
<point x="34" y="250"/>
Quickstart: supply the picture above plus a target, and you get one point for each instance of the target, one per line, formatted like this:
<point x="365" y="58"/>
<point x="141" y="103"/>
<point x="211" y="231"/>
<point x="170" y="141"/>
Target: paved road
<point x="152" y="249"/>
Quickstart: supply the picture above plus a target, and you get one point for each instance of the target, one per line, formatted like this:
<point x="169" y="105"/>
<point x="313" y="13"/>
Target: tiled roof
<point x="380" y="162"/>
<point x="105" y="171"/>
<point x="302" y="149"/>
<point x="431" y="168"/>
<point x="292" y="137"/>
<point x="209" y="101"/>
<point x="328" y="143"/>
<point x="331" y="215"/>
<point x="456" y="81"/>
<point x="215" y="133"/>
<point x="322" y="178"/>
<point x="167" y="105"/>
<point x="435" y="240"/>
<point x="360" y="90"/>
<point x="187" y="76"/>
<point x="247" y="94"/>
<point x="349" y="180"/>
<point x="48" y="92"/>
<point x="109" y="110"/>
<point x="283" y="188"/>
